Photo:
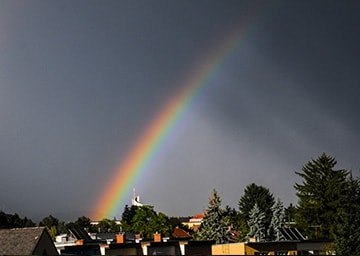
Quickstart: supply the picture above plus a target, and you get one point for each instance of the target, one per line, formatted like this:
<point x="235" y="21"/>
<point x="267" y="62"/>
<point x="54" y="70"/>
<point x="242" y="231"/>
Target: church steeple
<point x="136" y="199"/>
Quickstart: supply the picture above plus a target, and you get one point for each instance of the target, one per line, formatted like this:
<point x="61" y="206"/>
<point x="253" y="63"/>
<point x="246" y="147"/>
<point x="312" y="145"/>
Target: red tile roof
<point x="199" y="216"/>
<point x="180" y="233"/>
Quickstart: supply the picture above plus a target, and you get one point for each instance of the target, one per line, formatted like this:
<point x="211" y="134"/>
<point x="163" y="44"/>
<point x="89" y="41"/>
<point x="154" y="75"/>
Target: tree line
<point x="328" y="207"/>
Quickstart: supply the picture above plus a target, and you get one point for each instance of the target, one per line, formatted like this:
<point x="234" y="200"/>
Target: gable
<point x="45" y="245"/>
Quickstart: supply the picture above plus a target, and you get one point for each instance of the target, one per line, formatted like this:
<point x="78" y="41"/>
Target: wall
<point x="232" y="249"/>
<point x="228" y="249"/>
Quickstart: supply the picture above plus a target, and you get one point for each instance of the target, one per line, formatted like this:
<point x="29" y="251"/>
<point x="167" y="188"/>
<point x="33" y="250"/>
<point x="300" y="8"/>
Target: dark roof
<point x="106" y="236"/>
<point x="291" y="234"/>
<point x="302" y="245"/>
<point x="19" y="241"/>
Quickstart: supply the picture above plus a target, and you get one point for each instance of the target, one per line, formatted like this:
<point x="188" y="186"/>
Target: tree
<point x="52" y="232"/>
<point x="290" y="213"/>
<point x="230" y="215"/>
<point x="242" y="228"/>
<point x="51" y="223"/>
<point x="62" y="227"/>
<point x="162" y="224"/>
<point x="143" y="221"/>
<point x="254" y="194"/>
<point x="14" y="221"/>
<point x="277" y="221"/>
<point x="147" y="222"/>
<point x="175" y="222"/>
<point x="347" y="238"/>
<point x="28" y="223"/>
<point x="84" y="222"/>
<point x="214" y="226"/>
<point x="127" y="217"/>
<point x="321" y="196"/>
<point x="107" y="225"/>
<point x="256" y="224"/>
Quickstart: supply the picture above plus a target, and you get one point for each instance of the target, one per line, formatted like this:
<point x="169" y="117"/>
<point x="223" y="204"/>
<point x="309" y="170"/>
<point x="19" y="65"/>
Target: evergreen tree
<point x="348" y="236"/>
<point x="254" y="194"/>
<point x="256" y="224"/>
<point x="290" y="213"/>
<point x="28" y="222"/>
<point x="214" y="226"/>
<point x="321" y="196"/>
<point x="242" y="227"/>
<point x="277" y="221"/>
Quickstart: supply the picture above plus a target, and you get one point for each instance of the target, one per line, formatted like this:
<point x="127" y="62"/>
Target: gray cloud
<point x="80" y="81"/>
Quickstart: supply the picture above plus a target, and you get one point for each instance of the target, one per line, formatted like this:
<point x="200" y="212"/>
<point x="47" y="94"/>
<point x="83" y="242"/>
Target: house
<point x="121" y="249"/>
<point x="293" y="243"/>
<point x="194" y="222"/>
<point x="232" y="249"/>
<point x="303" y="247"/>
<point x="74" y="237"/>
<point x="180" y="233"/>
<point x="159" y="246"/>
<point x="26" y="241"/>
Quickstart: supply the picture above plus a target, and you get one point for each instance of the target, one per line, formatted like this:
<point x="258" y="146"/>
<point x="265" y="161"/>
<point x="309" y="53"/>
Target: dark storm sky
<point x="80" y="81"/>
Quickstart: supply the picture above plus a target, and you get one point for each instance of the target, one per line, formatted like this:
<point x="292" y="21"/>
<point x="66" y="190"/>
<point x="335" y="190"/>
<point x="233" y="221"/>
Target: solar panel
<point x="291" y="234"/>
<point x="80" y="234"/>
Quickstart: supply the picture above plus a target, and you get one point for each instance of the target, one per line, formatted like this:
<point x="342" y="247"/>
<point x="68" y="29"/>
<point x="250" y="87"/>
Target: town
<point x="325" y="221"/>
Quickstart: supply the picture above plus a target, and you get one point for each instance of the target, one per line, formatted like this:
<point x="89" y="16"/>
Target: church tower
<point x="136" y="199"/>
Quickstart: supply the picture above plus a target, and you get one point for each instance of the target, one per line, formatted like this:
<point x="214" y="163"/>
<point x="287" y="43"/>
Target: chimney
<point x="120" y="238"/>
<point x="157" y="237"/>
<point x="138" y="238"/>
<point x="79" y="242"/>
<point x="253" y="239"/>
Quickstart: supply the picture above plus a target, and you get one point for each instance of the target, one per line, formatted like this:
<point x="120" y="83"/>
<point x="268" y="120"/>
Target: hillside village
<point x="263" y="226"/>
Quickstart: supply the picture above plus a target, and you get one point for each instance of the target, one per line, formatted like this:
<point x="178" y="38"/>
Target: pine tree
<point x="214" y="226"/>
<point x="262" y="197"/>
<point x="348" y="236"/>
<point x="277" y="221"/>
<point x="321" y="196"/>
<point x="256" y="224"/>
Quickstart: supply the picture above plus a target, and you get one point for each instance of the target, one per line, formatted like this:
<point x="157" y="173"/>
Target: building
<point x="136" y="199"/>
<point x="293" y="243"/>
<point x="180" y="233"/>
<point x="194" y="222"/>
<point x="26" y="241"/>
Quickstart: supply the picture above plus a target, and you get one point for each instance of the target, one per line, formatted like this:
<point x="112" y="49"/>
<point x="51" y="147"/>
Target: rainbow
<point x="159" y="132"/>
